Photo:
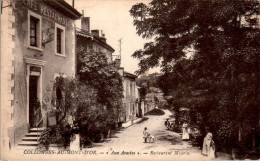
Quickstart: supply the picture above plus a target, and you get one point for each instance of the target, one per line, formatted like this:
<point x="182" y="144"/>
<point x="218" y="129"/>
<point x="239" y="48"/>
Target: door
<point x="34" y="102"/>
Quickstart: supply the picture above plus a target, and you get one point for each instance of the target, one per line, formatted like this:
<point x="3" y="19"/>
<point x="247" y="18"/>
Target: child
<point x="146" y="134"/>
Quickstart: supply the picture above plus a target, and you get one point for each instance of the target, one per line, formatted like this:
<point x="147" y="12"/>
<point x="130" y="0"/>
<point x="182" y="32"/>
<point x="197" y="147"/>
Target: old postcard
<point x="130" y="79"/>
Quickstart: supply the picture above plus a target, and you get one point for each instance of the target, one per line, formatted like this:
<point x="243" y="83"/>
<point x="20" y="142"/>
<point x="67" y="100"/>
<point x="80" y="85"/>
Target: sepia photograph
<point x="130" y="80"/>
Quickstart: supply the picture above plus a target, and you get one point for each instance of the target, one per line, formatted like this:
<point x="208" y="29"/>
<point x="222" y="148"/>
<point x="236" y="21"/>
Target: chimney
<point x="102" y="34"/>
<point x="118" y="63"/>
<point x="95" y="32"/>
<point x="85" y="23"/>
<point x="102" y="37"/>
<point x="117" y="60"/>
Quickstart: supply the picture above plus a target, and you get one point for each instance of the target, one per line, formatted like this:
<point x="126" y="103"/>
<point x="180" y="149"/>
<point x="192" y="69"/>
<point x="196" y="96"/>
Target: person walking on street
<point x="208" y="148"/>
<point x="185" y="134"/>
<point x="145" y="134"/>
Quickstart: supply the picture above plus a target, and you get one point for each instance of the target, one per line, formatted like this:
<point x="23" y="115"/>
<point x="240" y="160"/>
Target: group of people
<point x="169" y="125"/>
<point x="208" y="148"/>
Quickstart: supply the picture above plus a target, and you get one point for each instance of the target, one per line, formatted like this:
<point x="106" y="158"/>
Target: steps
<point x="31" y="139"/>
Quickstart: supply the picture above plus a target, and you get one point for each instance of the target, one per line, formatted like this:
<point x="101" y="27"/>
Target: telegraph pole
<point x="120" y="46"/>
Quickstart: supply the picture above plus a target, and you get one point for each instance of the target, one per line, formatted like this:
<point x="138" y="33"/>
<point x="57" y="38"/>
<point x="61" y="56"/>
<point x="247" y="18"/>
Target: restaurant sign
<point x="39" y="7"/>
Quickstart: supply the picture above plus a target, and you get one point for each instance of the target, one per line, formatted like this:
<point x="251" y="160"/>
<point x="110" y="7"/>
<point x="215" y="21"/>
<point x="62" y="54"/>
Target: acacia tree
<point x="95" y="70"/>
<point x="222" y="76"/>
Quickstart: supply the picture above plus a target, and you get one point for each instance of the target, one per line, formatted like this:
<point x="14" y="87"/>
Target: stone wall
<point x="7" y="74"/>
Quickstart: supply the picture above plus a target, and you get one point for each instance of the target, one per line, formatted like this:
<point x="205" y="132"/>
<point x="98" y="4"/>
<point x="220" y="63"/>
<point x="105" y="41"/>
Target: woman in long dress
<point x="208" y="148"/>
<point x="185" y="134"/>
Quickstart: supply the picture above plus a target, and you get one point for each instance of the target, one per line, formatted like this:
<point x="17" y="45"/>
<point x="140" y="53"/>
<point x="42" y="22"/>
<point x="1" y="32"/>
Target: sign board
<point x="44" y="10"/>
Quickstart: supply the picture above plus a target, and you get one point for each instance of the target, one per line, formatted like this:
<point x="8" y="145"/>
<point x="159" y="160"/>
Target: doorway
<point x="34" y="96"/>
<point x="34" y="102"/>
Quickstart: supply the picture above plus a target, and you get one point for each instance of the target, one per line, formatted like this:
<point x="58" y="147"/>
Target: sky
<point x="113" y="17"/>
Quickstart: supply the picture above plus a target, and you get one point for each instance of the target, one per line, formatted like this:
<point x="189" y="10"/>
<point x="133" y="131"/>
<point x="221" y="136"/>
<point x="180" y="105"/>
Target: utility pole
<point x="120" y="46"/>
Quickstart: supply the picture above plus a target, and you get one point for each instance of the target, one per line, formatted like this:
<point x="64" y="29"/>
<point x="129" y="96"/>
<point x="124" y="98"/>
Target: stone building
<point x="38" y="43"/>
<point x="93" y="39"/>
<point x="130" y="109"/>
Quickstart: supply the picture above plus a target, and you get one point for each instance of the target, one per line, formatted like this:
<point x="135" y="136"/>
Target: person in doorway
<point x="145" y="134"/>
<point x="208" y="148"/>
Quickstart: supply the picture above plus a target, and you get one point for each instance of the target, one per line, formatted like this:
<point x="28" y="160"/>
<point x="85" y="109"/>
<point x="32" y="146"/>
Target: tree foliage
<point x="90" y="103"/>
<point x="220" y="80"/>
<point x="94" y="70"/>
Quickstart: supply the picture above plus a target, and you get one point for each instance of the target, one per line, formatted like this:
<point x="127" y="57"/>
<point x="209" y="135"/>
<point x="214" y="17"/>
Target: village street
<point x="167" y="144"/>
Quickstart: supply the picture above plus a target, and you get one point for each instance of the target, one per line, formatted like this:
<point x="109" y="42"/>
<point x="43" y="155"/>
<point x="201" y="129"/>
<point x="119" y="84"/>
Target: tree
<point x="90" y="103"/>
<point x="220" y="80"/>
<point x="70" y="98"/>
<point x="95" y="71"/>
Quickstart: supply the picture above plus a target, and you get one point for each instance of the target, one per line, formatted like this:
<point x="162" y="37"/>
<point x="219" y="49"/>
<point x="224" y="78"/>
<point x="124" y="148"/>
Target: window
<point x="59" y="33"/>
<point x="34" y="31"/>
<point x="131" y="88"/>
<point x="59" y="40"/>
<point x="128" y="88"/>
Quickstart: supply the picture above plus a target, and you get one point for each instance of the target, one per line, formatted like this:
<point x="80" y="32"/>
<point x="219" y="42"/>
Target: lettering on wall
<point x="35" y="69"/>
<point x="42" y="9"/>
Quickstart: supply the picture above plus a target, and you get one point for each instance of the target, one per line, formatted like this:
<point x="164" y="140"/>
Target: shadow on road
<point x="170" y="138"/>
<point x="142" y="120"/>
<point x="155" y="112"/>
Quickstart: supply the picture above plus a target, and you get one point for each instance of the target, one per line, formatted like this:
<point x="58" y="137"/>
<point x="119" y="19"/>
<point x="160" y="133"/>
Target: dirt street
<point x="167" y="144"/>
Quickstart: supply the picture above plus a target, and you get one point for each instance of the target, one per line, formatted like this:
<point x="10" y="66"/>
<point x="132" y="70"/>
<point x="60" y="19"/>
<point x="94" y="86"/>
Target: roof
<point x="64" y="7"/>
<point x="138" y="87"/>
<point x="84" y="33"/>
<point x="104" y="44"/>
<point x="129" y="75"/>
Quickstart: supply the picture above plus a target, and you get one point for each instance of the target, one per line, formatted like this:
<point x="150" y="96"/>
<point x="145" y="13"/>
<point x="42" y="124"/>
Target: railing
<point x="37" y="125"/>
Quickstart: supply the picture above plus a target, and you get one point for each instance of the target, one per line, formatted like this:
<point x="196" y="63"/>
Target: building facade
<point x="130" y="110"/>
<point x="38" y="44"/>
<point x="93" y="40"/>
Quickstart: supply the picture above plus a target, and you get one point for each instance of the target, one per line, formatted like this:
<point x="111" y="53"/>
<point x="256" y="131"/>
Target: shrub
<point x="58" y="134"/>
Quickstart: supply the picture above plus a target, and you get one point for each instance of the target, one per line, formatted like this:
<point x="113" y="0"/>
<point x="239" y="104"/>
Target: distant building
<point x="129" y="102"/>
<point x="138" y="101"/>
<point x="38" y="43"/>
<point x="149" y="102"/>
